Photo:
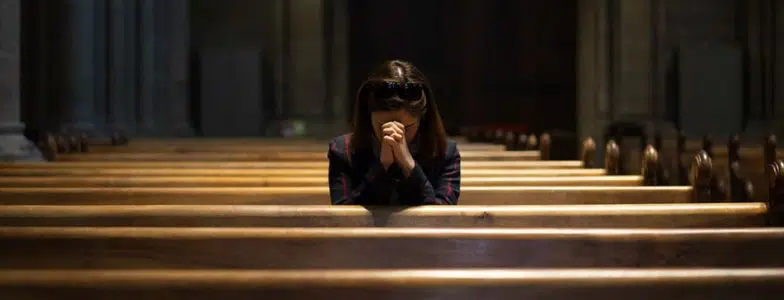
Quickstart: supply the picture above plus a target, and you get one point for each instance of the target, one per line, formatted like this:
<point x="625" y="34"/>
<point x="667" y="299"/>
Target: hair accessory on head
<point x="407" y="91"/>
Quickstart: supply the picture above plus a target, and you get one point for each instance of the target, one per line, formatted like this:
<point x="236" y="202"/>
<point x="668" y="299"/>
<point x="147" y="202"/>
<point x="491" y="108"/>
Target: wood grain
<point x="468" y="172"/>
<point x="320" y="165"/>
<point x="701" y="215"/>
<point x="272" y="156"/>
<point x="295" y="181"/>
<point x="207" y="146"/>
<point x="319" y="195"/>
<point x="384" y="248"/>
<point x="460" y="284"/>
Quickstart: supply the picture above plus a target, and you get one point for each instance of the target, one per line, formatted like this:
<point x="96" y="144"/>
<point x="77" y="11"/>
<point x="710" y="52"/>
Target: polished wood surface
<point x="459" y="284"/>
<point x="466" y="172"/>
<point x="384" y="248"/>
<point x="319" y="165"/>
<point x="298" y="181"/>
<point x="615" y="216"/>
<point x="271" y="156"/>
<point x="319" y="195"/>
<point x="247" y="147"/>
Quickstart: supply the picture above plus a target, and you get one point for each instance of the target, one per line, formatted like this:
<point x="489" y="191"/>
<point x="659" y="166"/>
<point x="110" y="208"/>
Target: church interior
<point x="186" y="149"/>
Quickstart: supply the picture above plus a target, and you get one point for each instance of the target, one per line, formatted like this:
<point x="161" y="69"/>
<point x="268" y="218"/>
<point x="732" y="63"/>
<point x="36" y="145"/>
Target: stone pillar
<point x="122" y="78"/>
<point x="177" y="58"/>
<point x="633" y="48"/>
<point x="757" y="124"/>
<point x="164" y="99"/>
<point x="660" y="112"/>
<point x="593" y="70"/>
<point x="80" y="61"/>
<point x="148" y="76"/>
<point x="778" y="46"/>
<point x="100" y="63"/>
<point x="341" y="97"/>
<point x="13" y="145"/>
<point x="306" y="78"/>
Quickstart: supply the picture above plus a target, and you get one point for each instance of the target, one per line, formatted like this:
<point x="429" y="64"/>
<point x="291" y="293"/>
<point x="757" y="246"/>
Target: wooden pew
<point x="319" y="165"/>
<point x="319" y="195"/>
<point x="264" y="141"/>
<point x="231" y="146"/>
<point x="383" y="248"/>
<point x="294" y="181"/>
<point x="272" y="156"/>
<point x="467" y="172"/>
<point x="458" y="284"/>
<point x="701" y="215"/>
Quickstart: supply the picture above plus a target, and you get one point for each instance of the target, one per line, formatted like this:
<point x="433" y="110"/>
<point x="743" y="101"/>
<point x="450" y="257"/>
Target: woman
<point x="397" y="153"/>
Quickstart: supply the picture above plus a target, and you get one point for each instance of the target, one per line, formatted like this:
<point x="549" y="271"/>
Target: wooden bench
<point x="466" y="172"/>
<point x="296" y="181"/>
<point x="458" y="284"/>
<point x="272" y="156"/>
<point x="319" y="195"/>
<point x="248" y="147"/>
<point x="318" y="165"/>
<point x="562" y="216"/>
<point x="384" y="248"/>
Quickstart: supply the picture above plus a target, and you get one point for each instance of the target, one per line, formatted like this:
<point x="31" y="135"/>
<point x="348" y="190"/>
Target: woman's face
<point x="410" y="122"/>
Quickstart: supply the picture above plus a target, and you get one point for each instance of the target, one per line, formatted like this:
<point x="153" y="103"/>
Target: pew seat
<point x="702" y="215"/>
<point x="295" y="181"/>
<point x="466" y="172"/>
<point x="458" y="284"/>
<point x="384" y="248"/>
<point x="320" y="165"/>
<point x="470" y="195"/>
<point x="247" y="147"/>
<point x="272" y="156"/>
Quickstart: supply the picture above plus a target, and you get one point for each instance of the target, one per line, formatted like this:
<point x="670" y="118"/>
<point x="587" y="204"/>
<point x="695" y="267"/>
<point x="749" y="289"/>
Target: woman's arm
<point x="445" y="189"/>
<point x="375" y="183"/>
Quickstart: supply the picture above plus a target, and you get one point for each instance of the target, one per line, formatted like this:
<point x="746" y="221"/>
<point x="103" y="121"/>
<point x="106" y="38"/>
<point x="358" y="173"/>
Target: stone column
<point x="80" y="61"/>
<point x="164" y="100"/>
<point x="306" y="78"/>
<point x="341" y="96"/>
<point x="757" y="124"/>
<point x="632" y="60"/>
<point x="13" y="145"/>
<point x="147" y="86"/>
<point x="100" y="62"/>
<point x="177" y="27"/>
<point x="593" y="70"/>
<point x="122" y="78"/>
<point x="778" y="46"/>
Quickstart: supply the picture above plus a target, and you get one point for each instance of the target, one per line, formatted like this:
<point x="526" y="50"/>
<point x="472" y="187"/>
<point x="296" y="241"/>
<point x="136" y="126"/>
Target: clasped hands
<point x="394" y="148"/>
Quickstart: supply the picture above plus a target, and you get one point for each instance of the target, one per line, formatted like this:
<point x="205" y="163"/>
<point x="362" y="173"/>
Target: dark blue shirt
<point x="358" y="178"/>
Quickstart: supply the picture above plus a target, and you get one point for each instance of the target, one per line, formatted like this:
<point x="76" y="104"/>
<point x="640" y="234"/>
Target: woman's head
<point x="397" y="91"/>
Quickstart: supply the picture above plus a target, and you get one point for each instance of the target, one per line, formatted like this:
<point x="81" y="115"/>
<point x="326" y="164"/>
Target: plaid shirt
<point x="359" y="178"/>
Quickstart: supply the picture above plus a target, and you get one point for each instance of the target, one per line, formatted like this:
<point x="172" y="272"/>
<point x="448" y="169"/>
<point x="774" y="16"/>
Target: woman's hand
<point x="387" y="156"/>
<point x="395" y="136"/>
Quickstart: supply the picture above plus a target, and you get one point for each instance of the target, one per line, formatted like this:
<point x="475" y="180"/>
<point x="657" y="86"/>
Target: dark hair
<point x="431" y="133"/>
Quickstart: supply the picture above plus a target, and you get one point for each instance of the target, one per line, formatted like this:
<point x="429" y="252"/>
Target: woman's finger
<point x="397" y="136"/>
<point x="390" y="140"/>
<point x="398" y="130"/>
<point x="388" y="130"/>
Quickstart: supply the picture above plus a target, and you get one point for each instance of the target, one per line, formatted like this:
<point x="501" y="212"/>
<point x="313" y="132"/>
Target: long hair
<point x="431" y="135"/>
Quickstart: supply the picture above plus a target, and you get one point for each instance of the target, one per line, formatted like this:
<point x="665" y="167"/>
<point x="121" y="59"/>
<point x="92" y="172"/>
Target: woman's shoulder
<point x="340" y="145"/>
<point x="451" y="148"/>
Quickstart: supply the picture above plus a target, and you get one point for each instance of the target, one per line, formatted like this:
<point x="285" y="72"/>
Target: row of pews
<point x="249" y="219"/>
